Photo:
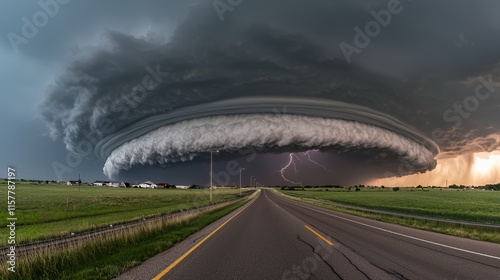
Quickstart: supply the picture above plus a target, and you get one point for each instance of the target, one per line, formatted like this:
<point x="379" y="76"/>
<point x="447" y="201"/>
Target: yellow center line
<point x="319" y="235"/>
<point x="176" y="262"/>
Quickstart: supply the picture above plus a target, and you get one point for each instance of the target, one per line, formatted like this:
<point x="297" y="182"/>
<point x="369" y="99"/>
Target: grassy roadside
<point x="52" y="210"/>
<point x="473" y="232"/>
<point x="474" y="206"/>
<point x="111" y="256"/>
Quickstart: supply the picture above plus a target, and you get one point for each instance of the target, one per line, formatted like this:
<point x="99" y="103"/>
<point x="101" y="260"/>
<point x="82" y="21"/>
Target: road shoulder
<point x="155" y="265"/>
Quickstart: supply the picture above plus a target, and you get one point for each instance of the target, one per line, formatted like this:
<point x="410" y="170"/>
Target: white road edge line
<point x="400" y="234"/>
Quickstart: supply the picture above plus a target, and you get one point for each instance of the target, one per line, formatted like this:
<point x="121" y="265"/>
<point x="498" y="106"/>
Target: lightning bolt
<point x="315" y="162"/>
<point x="318" y="164"/>
<point x="283" y="169"/>
<point x="292" y="164"/>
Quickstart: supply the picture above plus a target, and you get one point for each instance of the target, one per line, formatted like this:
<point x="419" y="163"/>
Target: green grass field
<point x="45" y="211"/>
<point x="477" y="206"/>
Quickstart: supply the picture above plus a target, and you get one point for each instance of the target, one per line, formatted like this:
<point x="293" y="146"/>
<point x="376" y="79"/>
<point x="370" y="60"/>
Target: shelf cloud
<point x="307" y="124"/>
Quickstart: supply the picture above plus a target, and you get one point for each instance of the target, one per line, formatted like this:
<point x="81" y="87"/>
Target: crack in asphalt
<point x="321" y="257"/>
<point x="392" y="272"/>
<point x="198" y="238"/>
<point x="399" y="275"/>
<point x="357" y="268"/>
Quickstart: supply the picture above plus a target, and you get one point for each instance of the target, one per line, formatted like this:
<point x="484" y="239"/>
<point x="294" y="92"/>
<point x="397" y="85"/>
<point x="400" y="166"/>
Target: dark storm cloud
<point x="430" y="58"/>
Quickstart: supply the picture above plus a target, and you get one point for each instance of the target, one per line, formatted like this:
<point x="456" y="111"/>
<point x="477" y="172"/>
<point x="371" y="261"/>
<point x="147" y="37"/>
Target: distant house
<point x="148" y="185"/>
<point x="124" y="185"/>
<point x="165" y="186"/>
<point x="182" y="187"/>
<point x="106" y="184"/>
<point x="72" y="183"/>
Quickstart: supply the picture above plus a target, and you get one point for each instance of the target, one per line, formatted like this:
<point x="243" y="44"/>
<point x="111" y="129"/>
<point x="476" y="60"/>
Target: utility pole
<point x="240" y="178"/>
<point x="211" y="172"/>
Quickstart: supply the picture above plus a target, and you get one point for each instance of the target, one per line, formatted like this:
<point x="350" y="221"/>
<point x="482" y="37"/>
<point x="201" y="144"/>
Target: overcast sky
<point x="69" y="67"/>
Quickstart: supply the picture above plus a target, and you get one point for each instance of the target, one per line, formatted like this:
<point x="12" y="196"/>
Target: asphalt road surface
<point x="276" y="238"/>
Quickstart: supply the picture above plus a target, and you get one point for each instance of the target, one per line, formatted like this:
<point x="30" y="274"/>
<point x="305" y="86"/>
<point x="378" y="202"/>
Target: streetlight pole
<point x="240" y="179"/>
<point x="211" y="173"/>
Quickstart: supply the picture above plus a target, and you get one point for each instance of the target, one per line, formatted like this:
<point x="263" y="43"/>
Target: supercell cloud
<point x="307" y="124"/>
<point x="272" y="75"/>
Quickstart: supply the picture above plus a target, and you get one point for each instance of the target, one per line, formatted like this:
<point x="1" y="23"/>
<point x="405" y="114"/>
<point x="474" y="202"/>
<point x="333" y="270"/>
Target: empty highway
<point x="276" y="238"/>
